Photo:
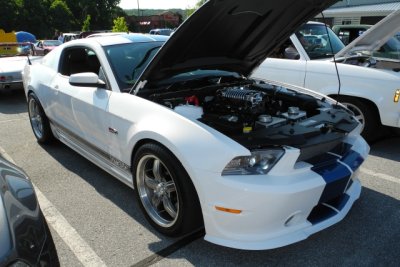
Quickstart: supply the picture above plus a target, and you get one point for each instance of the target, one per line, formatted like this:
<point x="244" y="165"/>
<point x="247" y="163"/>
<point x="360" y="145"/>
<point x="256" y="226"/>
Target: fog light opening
<point x="293" y="218"/>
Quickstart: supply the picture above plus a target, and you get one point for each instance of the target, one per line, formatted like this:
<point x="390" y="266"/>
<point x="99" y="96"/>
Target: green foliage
<point x="86" y="24"/>
<point x="42" y="17"/>
<point x="190" y="11"/>
<point x="31" y="16"/>
<point x="120" y="25"/>
<point x="61" y="15"/>
<point x="8" y="15"/>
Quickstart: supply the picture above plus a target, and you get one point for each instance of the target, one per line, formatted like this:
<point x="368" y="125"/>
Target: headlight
<point x="260" y="162"/>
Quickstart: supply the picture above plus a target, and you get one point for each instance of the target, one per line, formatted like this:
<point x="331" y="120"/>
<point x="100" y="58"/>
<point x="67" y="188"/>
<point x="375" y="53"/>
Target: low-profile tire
<point x="39" y="121"/>
<point x="165" y="192"/>
<point x="366" y="114"/>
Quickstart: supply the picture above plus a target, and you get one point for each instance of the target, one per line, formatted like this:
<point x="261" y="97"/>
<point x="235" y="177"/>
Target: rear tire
<point x="39" y="121"/>
<point x="165" y="192"/>
<point x="367" y="116"/>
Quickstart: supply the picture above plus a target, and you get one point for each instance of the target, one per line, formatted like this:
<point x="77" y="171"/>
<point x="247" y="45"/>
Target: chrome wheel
<point x="157" y="191"/>
<point x="35" y="118"/>
<point x="358" y="114"/>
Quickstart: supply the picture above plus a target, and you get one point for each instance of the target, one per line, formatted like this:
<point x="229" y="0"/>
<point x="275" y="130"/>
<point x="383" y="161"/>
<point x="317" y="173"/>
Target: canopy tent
<point x="25" y="37"/>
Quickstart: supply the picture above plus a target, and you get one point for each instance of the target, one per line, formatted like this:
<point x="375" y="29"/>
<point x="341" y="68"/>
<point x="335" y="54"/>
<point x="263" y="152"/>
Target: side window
<point x="286" y="51"/>
<point x="78" y="60"/>
<point x="344" y="35"/>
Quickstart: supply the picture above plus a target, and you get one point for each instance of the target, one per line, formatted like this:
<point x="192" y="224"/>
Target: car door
<point x="82" y="110"/>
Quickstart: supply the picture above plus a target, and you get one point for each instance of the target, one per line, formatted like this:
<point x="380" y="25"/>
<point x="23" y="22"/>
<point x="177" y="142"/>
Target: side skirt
<point x="113" y="166"/>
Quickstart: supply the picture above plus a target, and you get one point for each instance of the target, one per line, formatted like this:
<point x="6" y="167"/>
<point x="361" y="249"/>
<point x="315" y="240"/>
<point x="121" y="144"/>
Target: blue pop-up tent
<point x="25" y="37"/>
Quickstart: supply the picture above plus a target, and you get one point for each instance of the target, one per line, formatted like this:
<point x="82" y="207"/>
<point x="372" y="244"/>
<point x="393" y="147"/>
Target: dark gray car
<point x="25" y="238"/>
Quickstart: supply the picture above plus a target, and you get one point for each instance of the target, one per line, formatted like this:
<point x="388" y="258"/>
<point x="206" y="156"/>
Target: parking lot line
<point x="68" y="234"/>
<point x="381" y="175"/>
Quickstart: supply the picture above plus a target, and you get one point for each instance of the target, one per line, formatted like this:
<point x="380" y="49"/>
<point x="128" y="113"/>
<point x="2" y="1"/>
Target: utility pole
<point x="138" y="13"/>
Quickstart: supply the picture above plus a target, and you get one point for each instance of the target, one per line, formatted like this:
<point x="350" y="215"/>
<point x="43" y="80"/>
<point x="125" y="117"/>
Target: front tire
<point x="366" y="115"/>
<point x="39" y="121"/>
<point x="165" y="192"/>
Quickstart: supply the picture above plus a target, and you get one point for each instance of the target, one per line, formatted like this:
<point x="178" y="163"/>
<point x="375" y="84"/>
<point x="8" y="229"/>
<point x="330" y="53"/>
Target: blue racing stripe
<point x="352" y="159"/>
<point x="336" y="177"/>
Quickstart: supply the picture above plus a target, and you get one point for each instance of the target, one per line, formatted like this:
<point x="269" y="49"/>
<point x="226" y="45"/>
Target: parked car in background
<point x="70" y="36"/>
<point x="260" y="165"/>
<point x="348" y="33"/>
<point x="166" y="31"/>
<point x="45" y="46"/>
<point x="13" y="57"/>
<point x="369" y="85"/>
<point x="25" y="238"/>
<point x="105" y="34"/>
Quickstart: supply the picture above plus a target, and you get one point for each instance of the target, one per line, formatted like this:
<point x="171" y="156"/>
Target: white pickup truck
<point x="369" y="86"/>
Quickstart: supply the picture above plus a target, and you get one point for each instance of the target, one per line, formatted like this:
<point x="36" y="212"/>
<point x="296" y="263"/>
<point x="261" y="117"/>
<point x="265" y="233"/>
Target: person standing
<point x="56" y="35"/>
<point x="61" y="37"/>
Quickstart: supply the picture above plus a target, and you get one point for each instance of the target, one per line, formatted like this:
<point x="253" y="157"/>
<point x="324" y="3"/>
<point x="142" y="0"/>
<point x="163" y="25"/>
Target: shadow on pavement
<point x="13" y="102"/>
<point x="388" y="148"/>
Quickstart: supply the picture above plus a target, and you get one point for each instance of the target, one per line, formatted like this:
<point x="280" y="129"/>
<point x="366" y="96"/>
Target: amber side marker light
<point x="228" y="210"/>
<point x="396" y="96"/>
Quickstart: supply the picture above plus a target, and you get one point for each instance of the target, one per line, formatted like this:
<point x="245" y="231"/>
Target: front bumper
<point x="286" y="206"/>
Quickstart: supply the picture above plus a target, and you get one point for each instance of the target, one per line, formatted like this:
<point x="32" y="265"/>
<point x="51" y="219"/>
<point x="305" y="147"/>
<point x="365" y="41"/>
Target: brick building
<point x="166" y="19"/>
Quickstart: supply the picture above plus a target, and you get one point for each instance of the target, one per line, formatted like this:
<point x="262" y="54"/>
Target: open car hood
<point x="231" y="35"/>
<point x="374" y="37"/>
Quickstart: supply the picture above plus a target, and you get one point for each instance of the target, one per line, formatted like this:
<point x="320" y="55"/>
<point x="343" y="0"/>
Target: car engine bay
<point x="258" y="115"/>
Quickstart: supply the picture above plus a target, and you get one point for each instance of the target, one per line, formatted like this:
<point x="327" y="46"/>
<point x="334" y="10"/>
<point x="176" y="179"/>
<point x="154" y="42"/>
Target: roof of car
<point x="121" y="39"/>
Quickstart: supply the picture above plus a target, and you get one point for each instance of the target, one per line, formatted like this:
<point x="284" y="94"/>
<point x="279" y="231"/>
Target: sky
<point x="157" y="4"/>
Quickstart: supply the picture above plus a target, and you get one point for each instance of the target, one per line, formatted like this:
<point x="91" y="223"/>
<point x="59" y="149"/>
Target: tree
<point x="8" y="15"/>
<point x="86" y="24"/>
<point x="100" y="11"/>
<point x="190" y="11"/>
<point x="42" y="17"/>
<point x="120" y="25"/>
<point x="32" y="17"/>
<point x="61" y="16"/>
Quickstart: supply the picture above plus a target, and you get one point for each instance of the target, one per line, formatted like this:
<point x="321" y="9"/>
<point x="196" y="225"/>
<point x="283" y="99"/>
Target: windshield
<point x="199" y="75"/>
<point x="51" y="43"/>
<point x="128" y="61"/>
<point x="391" y="49"/>
<point x="314" y="39"/>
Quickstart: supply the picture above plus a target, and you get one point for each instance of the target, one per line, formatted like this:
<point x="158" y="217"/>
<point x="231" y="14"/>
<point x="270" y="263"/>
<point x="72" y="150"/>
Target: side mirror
<point x="86" y="79"/>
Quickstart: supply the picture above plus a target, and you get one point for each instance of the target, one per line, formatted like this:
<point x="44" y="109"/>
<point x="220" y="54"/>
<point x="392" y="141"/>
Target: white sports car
<point x="369" y="75"/>
<point x="13" y="62"/>
<point x="259" y="165"/>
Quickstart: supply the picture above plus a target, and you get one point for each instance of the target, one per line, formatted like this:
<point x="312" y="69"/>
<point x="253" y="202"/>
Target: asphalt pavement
<point x="96" y="221"/>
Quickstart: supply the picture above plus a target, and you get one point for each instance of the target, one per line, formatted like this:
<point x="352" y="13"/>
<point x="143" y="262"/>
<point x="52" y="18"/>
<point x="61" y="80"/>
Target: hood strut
<point x="334" y="57"/>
